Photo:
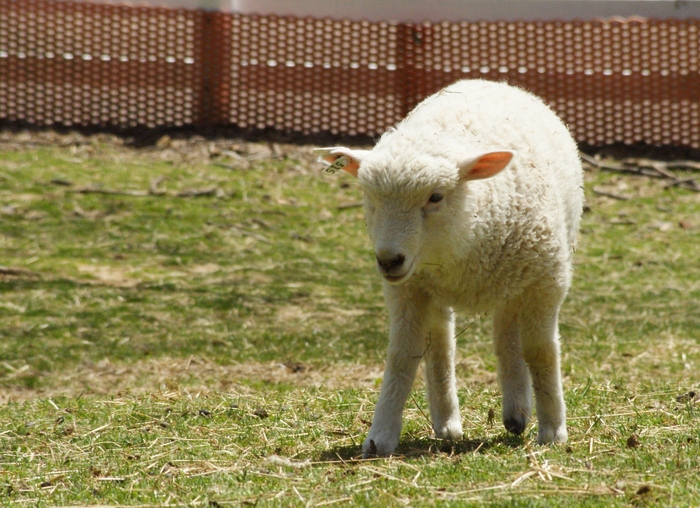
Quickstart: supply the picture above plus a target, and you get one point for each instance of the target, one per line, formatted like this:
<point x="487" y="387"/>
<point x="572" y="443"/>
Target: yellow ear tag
<point x="337" y="165"/>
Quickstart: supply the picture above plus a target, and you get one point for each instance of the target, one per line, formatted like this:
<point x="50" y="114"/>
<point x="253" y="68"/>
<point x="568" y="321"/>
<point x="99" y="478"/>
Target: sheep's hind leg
<point x="513" y="374"/>
<point x="540" y="341"/>
<point x="440" y="376"/>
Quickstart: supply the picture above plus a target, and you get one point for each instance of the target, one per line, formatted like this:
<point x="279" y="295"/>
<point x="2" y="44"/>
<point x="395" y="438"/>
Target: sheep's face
<point x="403" y="223"/>
<point x="410" y="202"/>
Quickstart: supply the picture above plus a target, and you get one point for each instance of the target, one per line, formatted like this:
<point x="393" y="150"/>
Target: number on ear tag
<point x="337" y="165"/>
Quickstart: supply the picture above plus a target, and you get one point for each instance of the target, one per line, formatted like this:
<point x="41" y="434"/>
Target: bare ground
<point x="201" y="373"/>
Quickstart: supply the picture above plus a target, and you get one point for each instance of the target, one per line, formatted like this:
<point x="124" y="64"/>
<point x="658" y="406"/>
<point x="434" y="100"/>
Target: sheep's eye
<point x="435" y="197"/>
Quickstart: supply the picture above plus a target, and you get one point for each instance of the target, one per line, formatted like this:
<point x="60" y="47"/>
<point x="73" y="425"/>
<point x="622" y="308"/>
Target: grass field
<point x="200" y="323"/>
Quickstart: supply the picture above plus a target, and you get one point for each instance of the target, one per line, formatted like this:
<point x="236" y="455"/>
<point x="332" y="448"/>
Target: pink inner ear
<point x="488" y="165"/>
<point x="352" y="167"/>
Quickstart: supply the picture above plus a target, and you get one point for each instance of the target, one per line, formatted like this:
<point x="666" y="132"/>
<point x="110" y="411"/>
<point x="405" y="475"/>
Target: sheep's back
<point x="477" y="115"/>
<point x="521" y="225"/>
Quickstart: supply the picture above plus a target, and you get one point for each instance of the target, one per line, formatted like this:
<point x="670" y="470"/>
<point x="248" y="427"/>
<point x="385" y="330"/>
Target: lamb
<point x="472" y="203"/>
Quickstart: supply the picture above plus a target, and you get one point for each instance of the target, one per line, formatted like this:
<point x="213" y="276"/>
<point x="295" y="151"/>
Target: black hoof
<point x="515" y="426"/>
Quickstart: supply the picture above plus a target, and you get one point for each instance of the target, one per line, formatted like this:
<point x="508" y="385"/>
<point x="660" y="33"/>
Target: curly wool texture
<point x="472" y="202"/>
<point x="504" y="231"/>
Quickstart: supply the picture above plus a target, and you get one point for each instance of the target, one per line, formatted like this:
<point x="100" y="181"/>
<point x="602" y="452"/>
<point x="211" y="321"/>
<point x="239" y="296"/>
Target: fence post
<point x="404" y="67"/>
<point x="214" y="103"/>
<point x="415" y="78"/>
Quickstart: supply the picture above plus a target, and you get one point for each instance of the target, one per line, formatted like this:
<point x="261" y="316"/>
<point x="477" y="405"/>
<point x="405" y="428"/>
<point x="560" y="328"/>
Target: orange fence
<point x="109" y="66"/>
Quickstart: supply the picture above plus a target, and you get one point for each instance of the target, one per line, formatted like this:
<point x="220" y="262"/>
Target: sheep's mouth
<point x="398" y="279"/>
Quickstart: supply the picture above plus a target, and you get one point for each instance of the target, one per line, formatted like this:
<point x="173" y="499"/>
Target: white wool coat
<point x="472" y="203"/>
<point x="502" y="232"/>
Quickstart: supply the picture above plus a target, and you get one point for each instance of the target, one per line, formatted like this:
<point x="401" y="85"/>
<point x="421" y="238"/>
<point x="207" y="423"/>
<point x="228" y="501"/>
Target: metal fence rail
<point x="112" y="66"/>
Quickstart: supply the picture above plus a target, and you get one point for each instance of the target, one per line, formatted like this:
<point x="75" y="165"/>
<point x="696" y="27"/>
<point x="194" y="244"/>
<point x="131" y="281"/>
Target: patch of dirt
<point x="105" y="377"/>
<point x="228" y="150"/>
<point x="298" y="314"/>
<point x="199" y="373"/>
<point x="110" y="275"/>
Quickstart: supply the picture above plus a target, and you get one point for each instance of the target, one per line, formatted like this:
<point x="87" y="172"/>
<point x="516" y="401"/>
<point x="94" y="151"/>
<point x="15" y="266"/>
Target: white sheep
<point x="473" y="203"/>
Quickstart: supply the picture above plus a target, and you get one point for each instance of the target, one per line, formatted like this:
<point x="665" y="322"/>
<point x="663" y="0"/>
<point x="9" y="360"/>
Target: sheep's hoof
<point x="378" y="448"/>
<point x="371" y="451"/>
<point x="515" y="426"/>
<point x="451" y="431"/>
<point x="552" y="435"/>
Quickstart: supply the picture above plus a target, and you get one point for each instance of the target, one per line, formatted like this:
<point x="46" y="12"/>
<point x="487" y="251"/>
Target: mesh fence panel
<point x="119" y="66"/>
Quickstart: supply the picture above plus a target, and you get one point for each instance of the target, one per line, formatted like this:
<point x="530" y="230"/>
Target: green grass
<point x="143" y="341"/>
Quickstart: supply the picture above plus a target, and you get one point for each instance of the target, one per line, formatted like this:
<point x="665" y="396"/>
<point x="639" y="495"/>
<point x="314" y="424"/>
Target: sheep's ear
<point x="341" y="158"/>
<point x="485" y="165"/>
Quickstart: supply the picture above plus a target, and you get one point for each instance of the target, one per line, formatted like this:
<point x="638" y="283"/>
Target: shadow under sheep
<point x="418" y="447"/>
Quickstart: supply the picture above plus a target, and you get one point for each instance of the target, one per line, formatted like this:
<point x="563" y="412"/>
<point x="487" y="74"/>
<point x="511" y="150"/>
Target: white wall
<point x="212" y="5"/>
<point x="445" y="10"/>
<point x="472" y="10"/>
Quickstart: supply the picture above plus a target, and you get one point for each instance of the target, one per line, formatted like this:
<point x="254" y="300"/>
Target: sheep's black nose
<point x="390" y="265"/>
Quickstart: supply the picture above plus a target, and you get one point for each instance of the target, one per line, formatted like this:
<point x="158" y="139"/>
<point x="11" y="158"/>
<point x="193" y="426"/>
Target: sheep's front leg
<point x="440" y="375"/>
<point x="406" y="348"/>
<point x="540" y="341"/>
<point x="513" y="374"/>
